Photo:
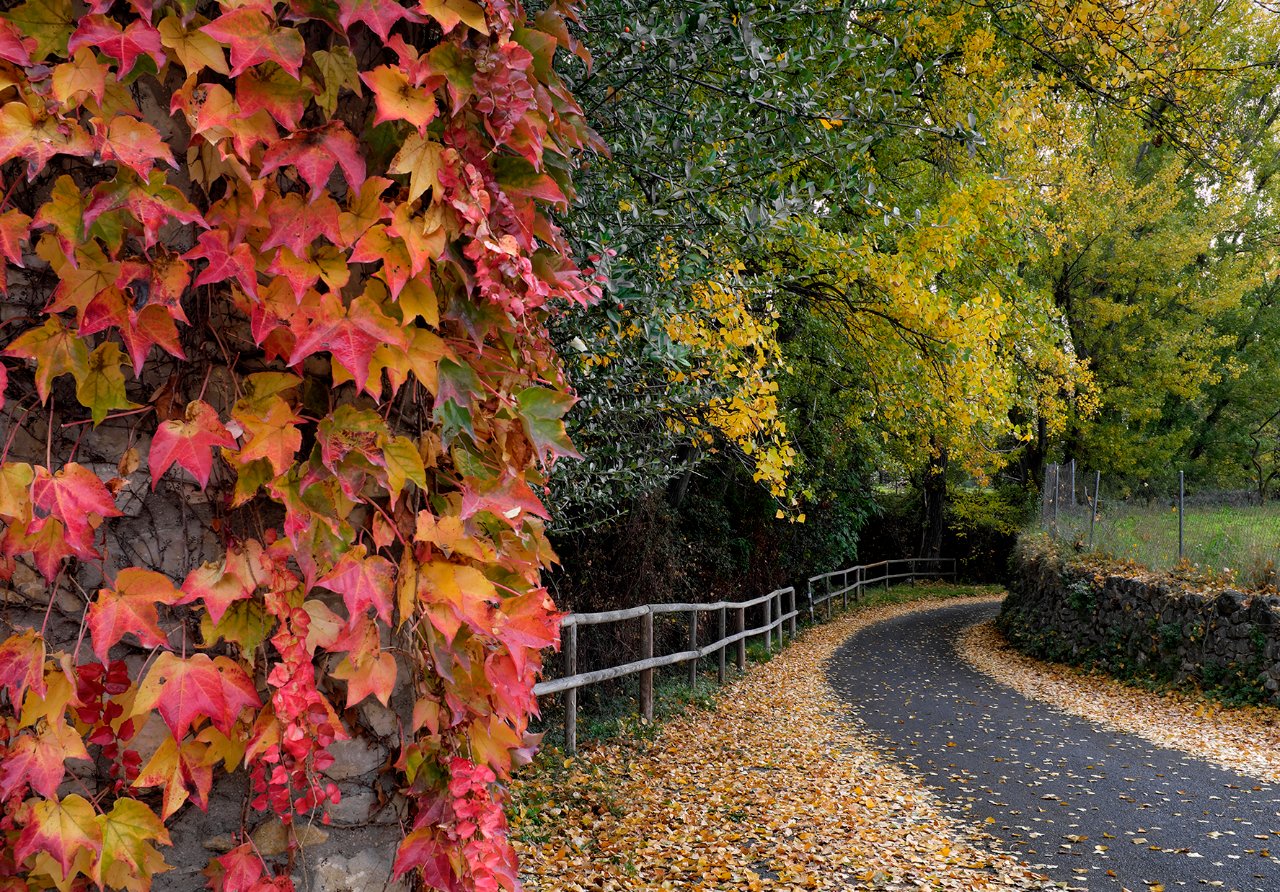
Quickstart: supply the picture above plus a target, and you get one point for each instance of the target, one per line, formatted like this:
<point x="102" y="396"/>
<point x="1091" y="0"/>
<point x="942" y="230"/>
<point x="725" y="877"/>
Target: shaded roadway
<point x="1091" y="807"/>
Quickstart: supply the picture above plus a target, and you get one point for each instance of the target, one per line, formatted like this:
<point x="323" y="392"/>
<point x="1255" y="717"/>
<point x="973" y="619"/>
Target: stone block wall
<point x="1068" y="612"/>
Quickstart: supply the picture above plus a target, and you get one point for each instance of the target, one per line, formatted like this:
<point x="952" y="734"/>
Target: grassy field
<point x="1236" y="543"/>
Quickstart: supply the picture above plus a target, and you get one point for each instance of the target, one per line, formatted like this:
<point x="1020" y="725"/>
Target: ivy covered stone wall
<point x="1070" y="612"/>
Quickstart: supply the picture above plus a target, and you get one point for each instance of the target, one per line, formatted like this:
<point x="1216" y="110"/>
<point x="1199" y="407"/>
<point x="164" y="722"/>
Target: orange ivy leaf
<point x="56" y="351"/>
<point x="272" y="435"/>
<point x="130" y="607"/>
<point x="399" y="100"/>
<point x="128" y="831"/>
<point x="61" y="829"/>
<point x="14" y="229"/>
<point x="133" y="143"/>
<point x="179" y="770"/>
<point x="38" y="759"/>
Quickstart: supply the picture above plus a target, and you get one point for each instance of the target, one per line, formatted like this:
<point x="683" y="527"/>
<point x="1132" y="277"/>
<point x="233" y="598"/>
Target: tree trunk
<point x="934" y="490"/>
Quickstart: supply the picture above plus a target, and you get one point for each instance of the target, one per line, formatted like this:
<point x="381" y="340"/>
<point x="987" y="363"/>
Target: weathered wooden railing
<point x="862" y="578"/>
<point x="778" y="609"/>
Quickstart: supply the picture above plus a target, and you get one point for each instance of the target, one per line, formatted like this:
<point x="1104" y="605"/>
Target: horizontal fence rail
<point x="778" y="611"/>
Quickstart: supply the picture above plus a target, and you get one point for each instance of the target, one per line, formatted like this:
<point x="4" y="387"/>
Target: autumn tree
<point x="278" y="400"/>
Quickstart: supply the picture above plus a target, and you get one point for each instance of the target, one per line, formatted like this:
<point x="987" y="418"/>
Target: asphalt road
<point x="1096" y="809"/>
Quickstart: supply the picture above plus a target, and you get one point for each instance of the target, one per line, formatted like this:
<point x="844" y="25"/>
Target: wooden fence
<point x="778" y="613"/>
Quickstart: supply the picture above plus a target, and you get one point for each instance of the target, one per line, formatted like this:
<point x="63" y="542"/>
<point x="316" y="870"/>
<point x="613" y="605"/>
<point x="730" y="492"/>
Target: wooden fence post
<point x="742" y="642"/>
<point x="844" y="590"/>
<point x="646" y="675"/>
<point x="809" y="593"/>
<point x="571" y="695"/>
<point x="693" y="645"/>
<point x="720" y="668"/>
<point x="828" y="597"/>
<point x="857" y="581"/>
<point x="768" y="633"/>
<point x="792" y="611"/>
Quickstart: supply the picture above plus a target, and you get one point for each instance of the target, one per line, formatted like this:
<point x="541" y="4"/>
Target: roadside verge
<point x="1244" y="739"/>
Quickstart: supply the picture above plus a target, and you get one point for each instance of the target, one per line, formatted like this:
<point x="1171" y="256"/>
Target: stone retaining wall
<point x="1057" y="610"/>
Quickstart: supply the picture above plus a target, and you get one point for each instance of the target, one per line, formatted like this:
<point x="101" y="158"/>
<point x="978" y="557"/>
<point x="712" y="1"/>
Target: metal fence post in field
<point x="1182" y="498"/>
<point x="1093" y="514"/>
<point x="571" y="695"/>
<point x="646" y="675"/>
<point x="1057" y="488"/>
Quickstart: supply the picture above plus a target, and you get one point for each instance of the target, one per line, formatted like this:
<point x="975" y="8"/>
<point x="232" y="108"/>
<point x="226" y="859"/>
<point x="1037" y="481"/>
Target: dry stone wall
<point x="1066" y="611"/>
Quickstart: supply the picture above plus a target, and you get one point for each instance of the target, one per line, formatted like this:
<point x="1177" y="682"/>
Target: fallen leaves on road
<point x="771" y="789"/>
<point x="1245" y="739"/>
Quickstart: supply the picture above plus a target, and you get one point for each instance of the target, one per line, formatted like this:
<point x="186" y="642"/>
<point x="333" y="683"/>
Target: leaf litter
<point x="770" y="789"/>
<point x="1244" y="739"/>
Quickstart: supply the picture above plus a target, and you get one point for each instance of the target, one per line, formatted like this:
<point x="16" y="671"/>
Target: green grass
<point x="1238" y="545"/>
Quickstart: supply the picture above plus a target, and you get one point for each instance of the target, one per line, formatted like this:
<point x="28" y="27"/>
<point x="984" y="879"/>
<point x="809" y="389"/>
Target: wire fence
<point x="1165" y="521"/>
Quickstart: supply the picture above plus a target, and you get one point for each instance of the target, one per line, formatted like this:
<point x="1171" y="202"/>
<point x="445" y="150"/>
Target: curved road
<point x="1096" y="809"/>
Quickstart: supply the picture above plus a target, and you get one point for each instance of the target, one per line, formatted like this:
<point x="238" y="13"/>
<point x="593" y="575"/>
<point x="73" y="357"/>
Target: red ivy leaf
<point x="225" y="262"/>
<point x="295" y="223"/>
<point x="363" y="582"/>
<point x="186" y="690"/>
<point x="241" y="869"/>
<point x="22" y="665"/>
<point x="254" y="38"/>
<point x="190" y="443"/>
<point x="352" y="340"/>
<point x="124" y="44"/>
<point x="422" y="850"/>
<point x="380" y="15"/>
<point x="76" y="496"/>
<point x="14" y="47"/>
<point x="315" y="153"/>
